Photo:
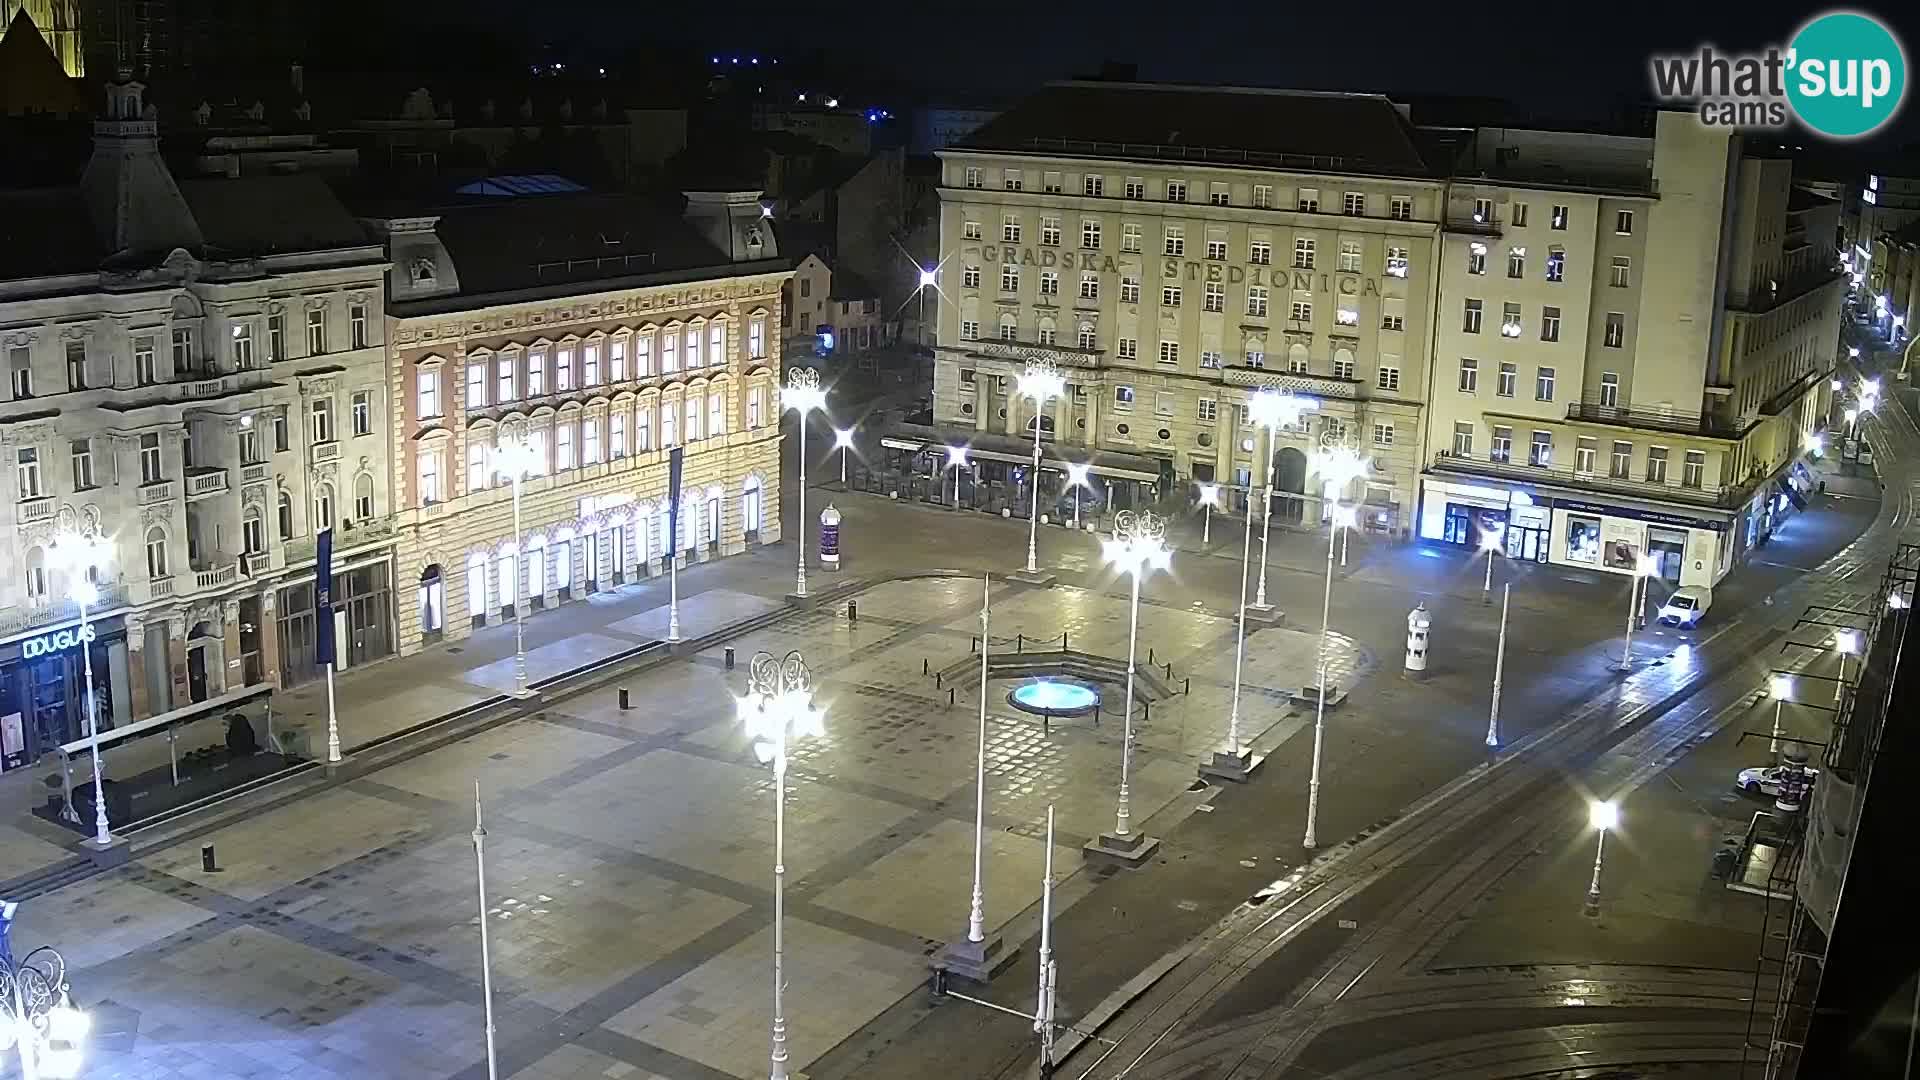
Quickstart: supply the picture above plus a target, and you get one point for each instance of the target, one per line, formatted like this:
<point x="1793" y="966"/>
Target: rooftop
<point x="1294" y="129"/>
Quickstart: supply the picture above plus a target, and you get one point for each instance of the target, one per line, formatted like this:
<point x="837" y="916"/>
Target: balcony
<point x="1314" y="385"/>
<point x="362" y="533"/>
<point x="321" y="452"/>
<point x="159" y="588"/>
<point x="219" y="577"/>
<point x="1644" y="418"/>
<point x="257" y="473"/>
<point x="156" y="492"/>
<point x="20" y="619"/>
<point x="1022" y="352"/>
<point x="203" y="481"/>
<point x="1471" y="224"/>
<point x="36" y="510"/>
<point x="1563" y="476"/>
<point x="255" y="563"/>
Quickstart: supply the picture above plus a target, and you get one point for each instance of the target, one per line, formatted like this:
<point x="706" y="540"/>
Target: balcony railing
<point x="1704" y="495"/>
<point x="363" y="532"/>
<point x="160" y="588"/>
<point x="257" y="473"/>
<point x="1648" y="418"/>
<point x="20" y="619"/>
<point x="203" y="481"/>
<point x="34" y="511"/>
<point x="325" y="451"/>
<point x="256" y="563"/>
<point x="1293" y="382"/>
<point x="218" y="577"/>
<point x="159" y="491"/>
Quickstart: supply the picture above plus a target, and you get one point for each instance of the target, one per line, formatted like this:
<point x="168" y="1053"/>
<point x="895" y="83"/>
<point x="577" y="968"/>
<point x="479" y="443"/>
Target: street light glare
<point x="1276" y="409"/>
<point x="1647" y="566"/>
<point x="1343" y="516"/>
<point x="1603" y="815"/>
<point x="1077" y="472"/>
<point x="1210" y="494"/>
<point x="1781" y="686"/>
<point x="928" y="276"/>
<point x="842" y="438"/>
<point x="1896" y="601"/>
<point x="1847" y="641"/>
<point x="956" y="455"/>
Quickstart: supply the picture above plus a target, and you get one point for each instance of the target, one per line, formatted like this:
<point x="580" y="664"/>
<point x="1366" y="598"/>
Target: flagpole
<point x="674" y="459"/>
<point x="333" y="717"/>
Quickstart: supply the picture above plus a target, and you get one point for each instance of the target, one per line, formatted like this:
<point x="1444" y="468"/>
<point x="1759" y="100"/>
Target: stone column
<point x="137" y="660"/>
<point x="982" y="399"/>
<point x="270" y="638"/>
<point x="177" y="659"/>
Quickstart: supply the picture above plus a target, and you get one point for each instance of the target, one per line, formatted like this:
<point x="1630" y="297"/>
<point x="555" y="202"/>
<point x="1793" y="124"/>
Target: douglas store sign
<point x="57" y="641"/>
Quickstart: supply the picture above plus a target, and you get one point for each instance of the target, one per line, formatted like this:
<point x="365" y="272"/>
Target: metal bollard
<point x="1149" y="656"/>
<point x="853" y="612"/>
<point x="1063" y="641"/>
<point x="1169" y="671"/>
<point x="1186" y="685"/>
<point x="950" y="696"/>
<point x="926" y="666"/>
<point x="1019" y="643"/>
<point x="1146" y="711"/>
<point x="936" y="680"/>
<point x="206" y="858"/>
<point x="729" y="658"/>
<point x="625" y="701"/>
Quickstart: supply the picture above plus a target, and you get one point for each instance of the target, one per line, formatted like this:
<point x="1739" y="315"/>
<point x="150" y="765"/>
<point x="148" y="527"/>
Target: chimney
<point x="137" y="209"/>
<point x="735" y="222"/>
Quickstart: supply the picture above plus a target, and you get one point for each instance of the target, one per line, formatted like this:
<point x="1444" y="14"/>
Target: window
<point x="1009" y="278"/>
<point x="506" y="364"/>
<point x="1090" y="235"/>
<point x="150" y="467"/>
<point x="1583" y="453"/>
<point x="1260" y="253"/>
<point x="1010" y="229"/>
<point x="1470" y="321"/>
<point x="969" y="329"/>
<point x="1623" y="222"/>
<point x="1693" y="471"/>
<point x="1400" y="208"/>
<point x="1216" y="250"/>
<point x="1509" y="376"/>
<point x="82" y="450"/>
<point x="1215" y="297"/>
<point x="253" y="532"/>
<point x="1388" y="377"/>
<point x="1349" y="256"/>
<point x="669" y="356"/>
<point x="283" y="515"/>
<point x="363" y="496"/>
<point x="1622" y="272"/>
<point x="357" y="325"/>
<point x="1469" y="375"/>
<point x="1543" y="384"/>
<point x="1257" y="301"/>
<point x="1050" y="183"/>
<point x="717" y="343"/>
<point x="362" y="412"/>
<point x="1089" y="286"/>
<point x="1093" y="186"/>
<point x="476" y="466"/>
<point x="1540" y="454"/>
<point x="693" y="357"/>
<point x="282" y="430"/>
<point x="1256" y="355"/>
<point x="1517" y="215"/>
<point x="156" y="553"/>
<point x="1355" y="205"/>
<point x="1609" y="389"/>
<point x="1309" y="200"/>
<point x="1656" y="464"/>
<point x="1127" y="348"/>
<point x="1045" y="332"/>
<point x="1510" y="325"/>
<point x="1303" y="249"/>
<point x="1129" y="290"/>
<point x="536" y="373"/>
<point x="1297" y="360"/>
<point x="1396" y="262"/>
<point x="322" y="507"/>
<point x="1130" y="237"/>
<point x="1049" y="283"/>
<point x="643" y="429"/>
<point x="1343" y="364"/>
<point x="1009" y="331"/>
<point x="1462" y="438"/>
<point x="1346" y="316"/>
<point x="241" y="335"/>
<point x="145" y="371"/>
<point x="1219" y="195"/>
<point x="1559" y="220"/>
<point x="1263" y="196"/>
<point x="316" y="331"/>
<point x="563" y="444"/>
<point x="617" y="432"/>
<point x="669" y="424"/>
<point x="1123" y="399"/>
<point x="1500" y="447"/>
<point x="1136" y="188"/>
<point x="590" y="364"/>
<point x="1517" y="262"/>
<point x="182" y="349"/>
<point x="1549" y="324"/>
<point x="1176" y="191"/>
<point x="1175" y="241"/>
<point x="1302" y="311"/>
<point x="1556" y="265"/>
<point x="429" y="476"/>
<point x="1050" y="232"/>
<point x="1207" y="411"/>
<point x="1088" y="339"/>
<point x="757" y="337"/>
<point x="276" y="338"/>
<point x="973" y="177"/>
<point x="427" y="382"/>
<point x="1476" y="258"/>
<point x="1483" y="210"/>
<point x="970" y="277"/>
<point x="971" y="231"/>
<point x="1170" y="296"/>
<point x="1393" y="320"/>
<point x="320" y="420"/>
<point x="1383" y="434"/>
<point x="1163" y="404"/>
<point x="1012" y="179"/>
<point x="1621" y="465"/>
<point x="27" y="471"/>
<point x="1616" y="332"/>
<point x="1169" y="352"/>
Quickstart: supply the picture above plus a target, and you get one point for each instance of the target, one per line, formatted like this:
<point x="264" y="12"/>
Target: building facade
<point x="1634" y="348"/>
<point x="195" y="374"/>
<point x="1283" y="240"/>
<point x="599" y="366"/>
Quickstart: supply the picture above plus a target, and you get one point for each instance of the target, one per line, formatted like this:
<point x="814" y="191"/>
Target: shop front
<point x="1612" y="537"/>
<point x="43" y="699"/>
<point x="363" y="621"/>
<point x="1465" y="515"/>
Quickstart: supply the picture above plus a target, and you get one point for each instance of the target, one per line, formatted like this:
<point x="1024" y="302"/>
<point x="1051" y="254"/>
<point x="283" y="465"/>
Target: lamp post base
<point x="1264" y="614"/>
<point x="523" y="693"/>
<point x="1238" y="768"/>
<point x="113" y="853"/>
<point x="1037" y="578"/>
<point x="975" y="961"/>
<point x="1133" y="849"/>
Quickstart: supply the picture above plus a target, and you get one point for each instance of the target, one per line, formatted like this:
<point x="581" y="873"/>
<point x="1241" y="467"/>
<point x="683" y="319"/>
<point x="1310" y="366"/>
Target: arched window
<point x="156" y="552"/>
<point x="284" y="513"/>
<point x="37" y="573"/>
<point x="477" y="588"/>
<point x="1088" y="339"/>
<point x="1297" y="358"/>
<point x="363" y="497"/>
<point x="253" y="531"/>
<point x="750" y="507"/>
<point x="322" y="507"/>
<point x="1256" y="351"/>
<point x="1046" y="330"/>
<point x="1009" y="326"/>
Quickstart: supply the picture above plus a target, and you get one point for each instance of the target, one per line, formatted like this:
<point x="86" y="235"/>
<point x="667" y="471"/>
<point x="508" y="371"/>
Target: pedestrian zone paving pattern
<point x="629" y="859"/>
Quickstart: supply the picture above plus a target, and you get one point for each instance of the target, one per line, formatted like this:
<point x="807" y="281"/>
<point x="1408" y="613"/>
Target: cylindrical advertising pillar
<point x="1418" y="625"/>
<point x="830" y="538"/>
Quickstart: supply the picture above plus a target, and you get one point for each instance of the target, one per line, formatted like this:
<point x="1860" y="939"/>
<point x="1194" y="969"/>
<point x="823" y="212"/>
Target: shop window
<point x="1583" y="539"/>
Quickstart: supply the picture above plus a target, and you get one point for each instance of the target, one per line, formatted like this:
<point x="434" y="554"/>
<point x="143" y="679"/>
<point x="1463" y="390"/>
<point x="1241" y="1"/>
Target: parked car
<point x="1765" y="779"/>
<point x="1686" y="606"/>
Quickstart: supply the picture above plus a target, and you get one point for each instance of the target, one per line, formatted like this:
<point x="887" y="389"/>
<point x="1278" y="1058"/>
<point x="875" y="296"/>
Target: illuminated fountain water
<point x="1047" y="697"/>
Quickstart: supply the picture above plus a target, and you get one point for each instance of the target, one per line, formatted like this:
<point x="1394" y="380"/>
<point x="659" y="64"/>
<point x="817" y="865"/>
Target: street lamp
<point x="1236" y="761"/>
<point x="1781" y="687"/>
<point x="803" y="395"/>
<point x="1342" y="518"/>
<point x="1490" y="542"/>
<point x="1137" y="547"/>
<point x="1077" y="479"/>
<point x="1836" y="386"/>
<point x="776" y="709"/>
<point x="1040" y="381"/>
<point x="1853" y="353"/>
<point x="80" y="556"/>
<point x="486" y="948"/>
<point x="1209" y="498"/>
<point x="843" y="442"/>
<point x="1499" y="668"/>
<point x="1602" y="816"/>
<point x="1643" y="566"/>
<point x="1272" y="410"/>
<point x="1846" y="643"/>
<point x="37" y="1017"/>
<point x="1339" y="464"/>
<point x="515" y="455"/>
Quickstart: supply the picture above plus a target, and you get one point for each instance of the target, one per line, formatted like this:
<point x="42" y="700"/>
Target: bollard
<point x="206" y="858"/>
<point x="926" y="666"/>
<point x="853" y="612"/>
<point x="729" y="658"/>
<point x="1146" y="711"/>
<point x="1019" y="643"/>
<point x="1169" y="672"/>
<point x="1186" y="685"/>
<point x="936" y="680"/>
<point x="625" y="702"/>
<point x="1063" y="641"/>
<point x="1150" y="656"/>
<point x="949" y="696"/>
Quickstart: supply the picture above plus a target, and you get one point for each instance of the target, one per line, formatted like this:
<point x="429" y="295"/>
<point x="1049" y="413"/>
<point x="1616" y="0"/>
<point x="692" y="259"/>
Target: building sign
<point x="13" y="742"/>
<point x="1180" y="270"/>
<point x="58" y="641"/>
<point x="1638" y="514"/>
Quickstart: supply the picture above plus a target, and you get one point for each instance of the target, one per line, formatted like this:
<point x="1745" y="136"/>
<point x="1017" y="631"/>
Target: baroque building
<point x="194" y="371"/>
<point x="594" y="333"/>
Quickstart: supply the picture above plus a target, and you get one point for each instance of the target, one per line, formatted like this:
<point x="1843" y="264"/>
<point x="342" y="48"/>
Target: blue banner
<point x="673" y="502"/>
<point x="323" y="599"/>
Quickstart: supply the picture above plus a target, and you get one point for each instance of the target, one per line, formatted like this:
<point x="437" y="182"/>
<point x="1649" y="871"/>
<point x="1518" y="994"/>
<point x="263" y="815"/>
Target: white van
<point x="1686" y="606"/>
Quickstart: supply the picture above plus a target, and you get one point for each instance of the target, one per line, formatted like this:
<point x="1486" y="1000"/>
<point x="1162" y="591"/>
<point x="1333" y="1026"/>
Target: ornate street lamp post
<point x="803" y="395"/>
<point x="1039" y="382"/>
